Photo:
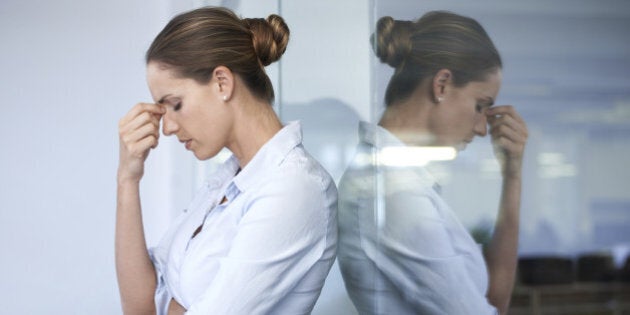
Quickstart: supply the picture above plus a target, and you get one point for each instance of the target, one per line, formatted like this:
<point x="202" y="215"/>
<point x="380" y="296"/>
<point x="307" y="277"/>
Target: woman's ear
<point x="441" y="81"/>
<point x="224" y="80"/>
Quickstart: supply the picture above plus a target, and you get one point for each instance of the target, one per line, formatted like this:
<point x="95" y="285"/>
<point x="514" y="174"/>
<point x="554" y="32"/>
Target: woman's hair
<point x="194" y="43"/>
<point x="438" y="40"/>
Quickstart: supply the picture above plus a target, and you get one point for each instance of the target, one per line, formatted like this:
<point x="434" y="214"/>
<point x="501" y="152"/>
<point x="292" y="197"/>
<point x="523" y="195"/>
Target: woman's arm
<point x="509" y="134"/>
<point x="138" y="132"/>
<point x="175" y="308"/>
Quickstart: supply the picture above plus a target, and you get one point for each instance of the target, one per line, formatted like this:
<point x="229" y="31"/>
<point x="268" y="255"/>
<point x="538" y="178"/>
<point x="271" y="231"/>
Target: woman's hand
<point x="138" y="131"/>
<point x="509" y="135"/>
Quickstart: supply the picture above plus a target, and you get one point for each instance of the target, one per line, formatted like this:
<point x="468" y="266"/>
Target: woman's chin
<point x="203" y="156"/>
<point x="460" y="146"/>
<point x="200" y="156"/>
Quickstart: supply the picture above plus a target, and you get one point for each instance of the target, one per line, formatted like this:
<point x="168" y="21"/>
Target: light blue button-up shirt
<point x="266" y="250"/>
<point x="401" y="249"/>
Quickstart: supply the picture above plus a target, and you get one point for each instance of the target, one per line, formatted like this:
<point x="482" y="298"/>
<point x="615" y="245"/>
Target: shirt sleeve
<point x="162" y="297"/>
<point x="414" y="249"/>
<point x="280" y="237"/>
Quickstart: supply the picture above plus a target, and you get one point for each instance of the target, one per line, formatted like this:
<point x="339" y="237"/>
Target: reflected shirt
<point x="401" y="249"/>
<point x="266" y="250"/>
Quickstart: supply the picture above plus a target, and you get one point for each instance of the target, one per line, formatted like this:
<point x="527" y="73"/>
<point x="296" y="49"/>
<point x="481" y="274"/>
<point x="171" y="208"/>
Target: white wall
<point x="329" y="53"/>
<point x="70" y="70"/>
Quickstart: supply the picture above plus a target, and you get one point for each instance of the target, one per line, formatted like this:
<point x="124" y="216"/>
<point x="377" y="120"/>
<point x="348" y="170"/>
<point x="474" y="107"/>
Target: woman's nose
<point x="481" y="126"/>
<point x="169" y="126"/>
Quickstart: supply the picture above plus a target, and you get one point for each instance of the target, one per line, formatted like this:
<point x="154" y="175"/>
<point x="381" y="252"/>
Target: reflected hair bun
<point x="392" y="40"/>
<point x="270" y="37"/>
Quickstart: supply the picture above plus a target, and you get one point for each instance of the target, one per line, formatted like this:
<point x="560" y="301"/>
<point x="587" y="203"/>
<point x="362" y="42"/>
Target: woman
<point x="260" y="236"/>
<point x="401" y="249"/>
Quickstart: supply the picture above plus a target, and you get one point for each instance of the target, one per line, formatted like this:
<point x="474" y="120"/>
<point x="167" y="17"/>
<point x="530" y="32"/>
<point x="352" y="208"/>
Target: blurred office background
<point x="71" y="69"/>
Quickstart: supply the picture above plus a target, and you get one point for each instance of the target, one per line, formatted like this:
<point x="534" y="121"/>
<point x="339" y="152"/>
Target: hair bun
<point x="270" y="37"/>
<point x="392" y="40"/>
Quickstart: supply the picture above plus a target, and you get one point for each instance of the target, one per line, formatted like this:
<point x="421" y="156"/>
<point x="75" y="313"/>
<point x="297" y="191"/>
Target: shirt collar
<point x="377" y="136"/>
<point x="270" y="155"/>
<point x="223" y="174"/>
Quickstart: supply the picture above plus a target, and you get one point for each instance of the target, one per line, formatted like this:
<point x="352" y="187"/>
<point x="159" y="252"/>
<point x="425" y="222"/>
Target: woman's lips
<point x="186" y="143"/>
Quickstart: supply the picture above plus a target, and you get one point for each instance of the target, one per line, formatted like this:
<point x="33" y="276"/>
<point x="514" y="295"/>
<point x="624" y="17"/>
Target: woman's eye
<point x="177" y="106"/>
<point x="478" y="108"/>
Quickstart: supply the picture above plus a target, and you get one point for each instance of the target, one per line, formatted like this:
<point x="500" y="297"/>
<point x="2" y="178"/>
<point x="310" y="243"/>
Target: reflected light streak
<point x="550" y="158"/>
<point x="415" y="156"/>
<point x="553" y="165"/>
<point x="558" y="171"/>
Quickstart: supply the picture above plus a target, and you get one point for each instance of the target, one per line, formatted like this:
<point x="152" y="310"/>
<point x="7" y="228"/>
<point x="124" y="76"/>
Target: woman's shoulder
<point x="300" y="168"/>
<point x="298" y="187"/>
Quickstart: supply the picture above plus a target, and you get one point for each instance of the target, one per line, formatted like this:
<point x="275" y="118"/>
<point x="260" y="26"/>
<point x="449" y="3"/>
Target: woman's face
<point x="462" y="113"/>
<point x="195" y="113"/>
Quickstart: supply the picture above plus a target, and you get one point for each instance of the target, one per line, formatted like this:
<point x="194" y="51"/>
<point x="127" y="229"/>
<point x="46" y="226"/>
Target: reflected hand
<point x="138" y="131"/>
<point x="509" y="135"/>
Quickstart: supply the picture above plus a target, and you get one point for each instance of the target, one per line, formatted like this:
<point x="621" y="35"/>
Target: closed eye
<point x="484" y="103"/>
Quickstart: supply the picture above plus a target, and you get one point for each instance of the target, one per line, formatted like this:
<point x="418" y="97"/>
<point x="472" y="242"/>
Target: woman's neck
<point x="408" y="121"/>
<point x="255" y="124"/>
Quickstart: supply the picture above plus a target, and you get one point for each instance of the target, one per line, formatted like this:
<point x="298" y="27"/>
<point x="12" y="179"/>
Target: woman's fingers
<point x="506" y="115"/>
<point x="508" y="130"/>
<point x="505" y="119"/>
<point x="139" y="109"/>
<point x="140" y="148"/>
<point x="141" y="119"/>
<point x="505" y="110"/>
<point x="133" y="137"/>
<point x="505" y="128"/>
<point x="139" y="131"/>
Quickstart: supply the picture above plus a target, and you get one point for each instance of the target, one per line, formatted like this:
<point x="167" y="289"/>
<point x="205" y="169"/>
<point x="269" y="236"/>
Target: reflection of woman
<point x="402" y="250"/>
<point x="260" y="235"/>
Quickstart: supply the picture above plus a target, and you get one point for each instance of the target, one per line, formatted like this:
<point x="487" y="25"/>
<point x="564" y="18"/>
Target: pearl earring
<point x="440" y="99"/>
<point x="224" y="98"/>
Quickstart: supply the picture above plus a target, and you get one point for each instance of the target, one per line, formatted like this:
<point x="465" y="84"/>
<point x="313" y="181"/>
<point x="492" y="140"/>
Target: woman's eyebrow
<point x="161" y="101"/>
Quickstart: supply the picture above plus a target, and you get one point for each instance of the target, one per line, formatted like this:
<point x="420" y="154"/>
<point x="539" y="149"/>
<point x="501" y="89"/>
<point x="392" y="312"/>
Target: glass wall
<point x="566" y="71"/>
